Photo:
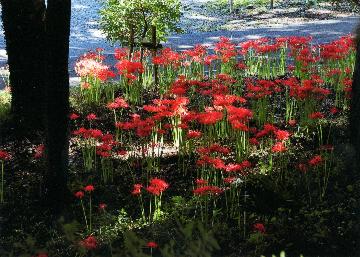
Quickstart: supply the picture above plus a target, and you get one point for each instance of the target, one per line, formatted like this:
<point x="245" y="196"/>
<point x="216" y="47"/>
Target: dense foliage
<point x="123" y="19"/>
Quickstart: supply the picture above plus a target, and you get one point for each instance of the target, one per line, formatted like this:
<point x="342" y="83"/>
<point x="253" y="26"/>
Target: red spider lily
<point x="253" y="141"/>
<point x="218" y="163"/>
<point x="93" y="68"/>
<point x="292" y="123"/>
<point x="91" y="117"/>
<point x="167" y="57"/>
<point x="225" y="49"/>
<point x="196" y="54"/>
<point x="282" y="134"/>
<point x="121" y="102"/>
<point x="128" y="67"/>
<point x="278" y="147"/>
<point x="337" y="49"/>
<point x="193" y="134"/>
<point x="102" y="206"/>
<point x="316" y="160"/>
<point x="302" y="167"/>
<point x="108" y="138"/>
<point x="268" y="128"/>
<point x="246" y="164"/>
<point x="122" y="152"/>
<point x="137" y="189"/>
<point x="4" y="155"/>
<point x="158" y="60"/>
<point x="316" y="115"/>
<point x="208" y="190"/>
<point x="104" y="147"/>
<point x="334" y="110"/>
<point x="79" y="131"/>
<point x="103" y="154"/>
<point x="200" y="181"/>
<point x="79" y="194"/>
<point x="85" y="85"/>
<point x="112" y="106"/>
<point x="95" y="133"/>
<point x="120" y="53"/>
<point x="125" y="125"/>
<point x="241" y="65"/>
<point x="268" y="48"/>
<point x="229" y="180"/>
<point x="241" y="114"/>
<point x="209" y="59"/>
<point x="39" y="151"/>
<point x="209" y="118"/>
<point x="237" y="125"/>
<point x="157" y="186"/>
<point x="216" y="148"/>
<point x="161" y="131"/>
<point x="105" y="75"/>
<point x="88" y="133"/>
<point x="152" y="244"/>
<point x="89" y="243"/>
<point x="233" y="167"/>
<point x="227" y="100"/>
<point x="74" y="116"/>
<point x="89" y="188"/>
<point x="259" y="227"/>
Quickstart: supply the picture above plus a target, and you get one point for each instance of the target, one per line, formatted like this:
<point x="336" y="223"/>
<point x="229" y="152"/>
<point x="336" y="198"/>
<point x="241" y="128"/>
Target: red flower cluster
<point x="279" y="147"/>
<point x="316" y="160"/>
<point x="129" y="68"/>
<point x="89" y="243"/>
<point x="137" y="189"/>
<point x="118" y="103"/>
<point x="79" y="194"/>
<point x="225" y="49"/>
<point x="193" y="134"/>
<point x="39" y="151"/>
<point x="157" y="186"/>
<point x="4" y="155"/>
<point x="89" y="188"/>
<point x="208" y="190"/>
<point x="74" y="116"/>
<point x="152" y="244"/>
<point x="259" y="227"/>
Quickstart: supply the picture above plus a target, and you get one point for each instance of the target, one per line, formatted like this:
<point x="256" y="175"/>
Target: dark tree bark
<point x="57" y="95"/>
<point x="37" y="43"/>
<point x="24" y="28"/>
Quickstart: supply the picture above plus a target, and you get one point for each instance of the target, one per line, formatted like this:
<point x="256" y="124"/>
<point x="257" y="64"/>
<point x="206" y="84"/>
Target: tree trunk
<point x="37" y="43"/>
<point x="57" y="122"/>
<point x="355" y="102"/>
<point x="23" y="23"/>
<point x="131" y="42"/>
<point x="154" y="51"/>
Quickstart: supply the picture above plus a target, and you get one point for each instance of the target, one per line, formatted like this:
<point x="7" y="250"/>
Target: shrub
<point x="129" y="21"/>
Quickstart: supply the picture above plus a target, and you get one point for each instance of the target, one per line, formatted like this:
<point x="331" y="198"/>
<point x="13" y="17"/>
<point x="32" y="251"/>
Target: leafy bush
<point x="5" y="99"/>
<point x="129" y="21"/>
